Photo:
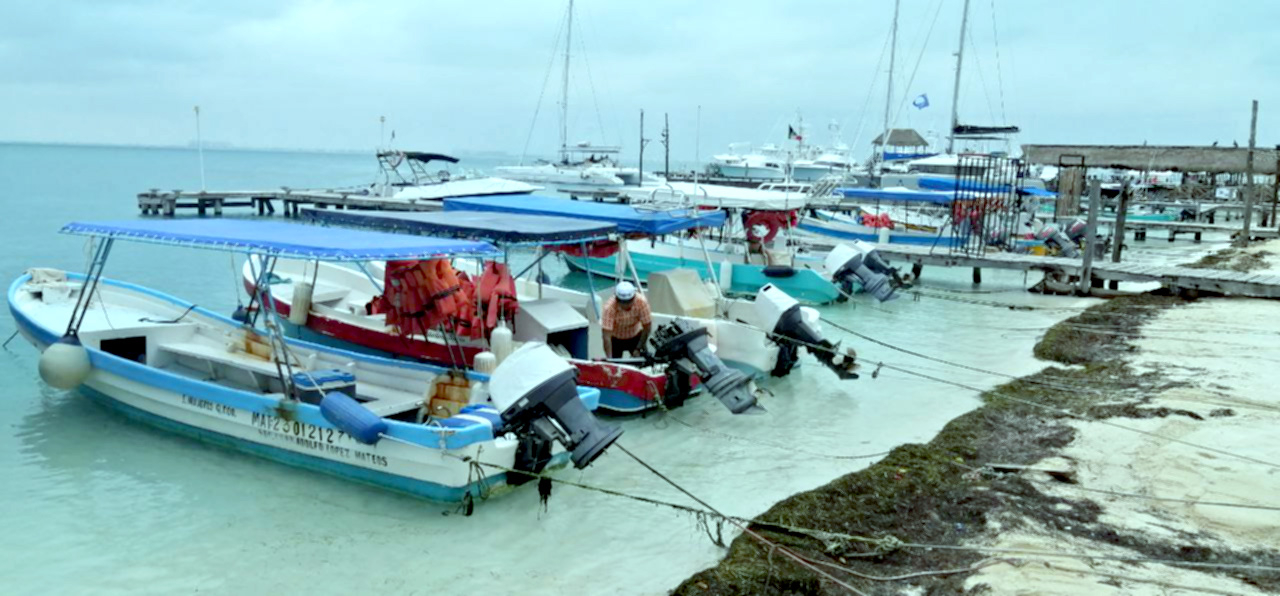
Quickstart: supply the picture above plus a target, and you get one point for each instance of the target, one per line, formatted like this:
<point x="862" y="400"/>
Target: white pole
<point x="888" y="94"/>
<point x="382" y="131"/>
<point x="697" y="152"/>
<point x="200" y="148"/>
<point x="564" y="92"/>
<point x="955" y="93"/>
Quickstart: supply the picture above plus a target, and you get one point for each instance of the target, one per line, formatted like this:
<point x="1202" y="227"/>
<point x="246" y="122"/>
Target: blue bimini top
<point x="280" y="239"/>
<point x="629" y="219"/>
<point x="899" y="195"/>
<point x="507" y="229"/>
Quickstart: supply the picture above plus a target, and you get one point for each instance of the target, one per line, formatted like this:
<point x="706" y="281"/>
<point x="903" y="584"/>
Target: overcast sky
<point x="467" y="76"/>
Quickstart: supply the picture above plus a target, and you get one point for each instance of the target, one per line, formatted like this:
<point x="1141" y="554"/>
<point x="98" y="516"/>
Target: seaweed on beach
<point x="938" y="493"/>
<point x="1232" y="259"/>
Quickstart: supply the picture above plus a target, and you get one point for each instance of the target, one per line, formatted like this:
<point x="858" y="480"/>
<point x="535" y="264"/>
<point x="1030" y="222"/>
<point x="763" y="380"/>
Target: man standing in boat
<point x="625" y="322"/>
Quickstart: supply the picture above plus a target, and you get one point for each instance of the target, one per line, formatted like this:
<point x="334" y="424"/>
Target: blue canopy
<point x="904" y="195"/>
<point x="950" y="184"/>
<point x="471" y="225"/>
<point x="630" y="220"/>
<point x="1037" y="192"/>
<point x="281" y="239"/>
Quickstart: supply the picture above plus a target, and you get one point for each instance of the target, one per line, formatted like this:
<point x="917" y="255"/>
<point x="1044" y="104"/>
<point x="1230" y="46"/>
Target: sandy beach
<point x="1143" y="461"/>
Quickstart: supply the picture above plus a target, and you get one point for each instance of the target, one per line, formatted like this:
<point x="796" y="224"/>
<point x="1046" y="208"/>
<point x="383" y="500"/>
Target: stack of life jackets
<point x="490" y="297"/>
<point x="422" y="295"/>
<point x="419" y="295"/>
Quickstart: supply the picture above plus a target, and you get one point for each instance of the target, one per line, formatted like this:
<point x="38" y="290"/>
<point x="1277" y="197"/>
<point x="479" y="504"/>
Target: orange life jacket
<point x="496" y="293"/>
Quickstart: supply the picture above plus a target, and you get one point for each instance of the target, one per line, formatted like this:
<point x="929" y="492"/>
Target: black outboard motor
<point x="860" y="260"/>
<point x="1076" y="231"/>
<point x="681" y="343"/>
<point x="792" y="327"/>
<point x="536" y="391"/>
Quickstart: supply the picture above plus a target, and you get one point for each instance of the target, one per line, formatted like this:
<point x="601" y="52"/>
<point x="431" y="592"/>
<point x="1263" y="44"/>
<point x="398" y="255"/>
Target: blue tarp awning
<point x="900" y="195"/>
<point x="949" y="184"/>
<point x="629" y="219"/>
<point x="281" y="239"/>
<point x="471" y="225"/>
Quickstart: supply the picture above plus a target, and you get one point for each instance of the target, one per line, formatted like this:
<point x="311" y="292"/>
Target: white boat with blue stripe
<point x="175" y="365"/>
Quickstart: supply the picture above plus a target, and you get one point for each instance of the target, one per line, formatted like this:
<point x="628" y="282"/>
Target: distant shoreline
<point x="232" y="148"/>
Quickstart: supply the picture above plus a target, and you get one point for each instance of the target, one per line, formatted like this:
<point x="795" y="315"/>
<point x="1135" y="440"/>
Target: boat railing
<point x="667" y="197"/>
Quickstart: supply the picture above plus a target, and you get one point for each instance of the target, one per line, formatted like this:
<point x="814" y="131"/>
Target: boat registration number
<point x="298" y="429"/>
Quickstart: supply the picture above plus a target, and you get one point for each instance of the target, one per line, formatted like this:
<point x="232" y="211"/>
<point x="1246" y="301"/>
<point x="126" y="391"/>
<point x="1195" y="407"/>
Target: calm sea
<point x="97" y="504"/>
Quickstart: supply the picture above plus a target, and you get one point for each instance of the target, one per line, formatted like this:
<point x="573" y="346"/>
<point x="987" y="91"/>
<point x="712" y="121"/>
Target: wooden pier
<point x="1140" y="227"/>
<point x="1254" y="285"/>
<point x="169" y="203"/>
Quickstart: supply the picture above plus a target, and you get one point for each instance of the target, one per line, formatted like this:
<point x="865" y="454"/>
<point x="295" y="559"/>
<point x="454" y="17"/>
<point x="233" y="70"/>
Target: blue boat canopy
<point x="901" y="195"/>
<point x="950" y="184"/>
<point x="281" y="239"/>
<point x="629" y="219"/>
<point x="1037" y="192"/>
<point x="471" y="225"/>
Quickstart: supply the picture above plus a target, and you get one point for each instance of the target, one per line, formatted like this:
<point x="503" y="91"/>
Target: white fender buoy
<point x="501" y="342"/>
<point x="485" y="363"/>
<point x="65" y="364"/>
<point x="300" y="306"/>
<point x="726" y="276"/>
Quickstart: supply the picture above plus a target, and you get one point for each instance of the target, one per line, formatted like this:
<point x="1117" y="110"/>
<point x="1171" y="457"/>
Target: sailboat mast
<point x="568" y="45"/>
<point x="955" y="93"/>
<point x="888" y="94"/>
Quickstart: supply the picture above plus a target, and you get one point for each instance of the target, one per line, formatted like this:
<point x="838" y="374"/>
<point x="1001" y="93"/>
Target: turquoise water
<point x="96" y="504"/>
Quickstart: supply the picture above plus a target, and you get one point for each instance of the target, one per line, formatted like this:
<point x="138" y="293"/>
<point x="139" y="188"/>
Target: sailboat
<point x="579" y="164"/>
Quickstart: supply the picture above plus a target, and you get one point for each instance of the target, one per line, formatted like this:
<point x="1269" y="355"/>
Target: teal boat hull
<point x="805" y="285"/>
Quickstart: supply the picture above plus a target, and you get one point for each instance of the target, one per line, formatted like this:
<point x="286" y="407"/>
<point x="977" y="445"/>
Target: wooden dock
<point x="169" y="203"/>
<point x="1254" y="285"/>
<point x="1140" y="228"/>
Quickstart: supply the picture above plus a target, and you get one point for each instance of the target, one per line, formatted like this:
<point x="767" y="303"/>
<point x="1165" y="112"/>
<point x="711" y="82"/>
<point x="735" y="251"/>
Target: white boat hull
<point x="550" y="174"/>
<point x="168" y="389"/>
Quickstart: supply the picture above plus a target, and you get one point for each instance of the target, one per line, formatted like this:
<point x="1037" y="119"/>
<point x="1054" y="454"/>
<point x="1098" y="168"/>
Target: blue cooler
<point x="311" y="386"/>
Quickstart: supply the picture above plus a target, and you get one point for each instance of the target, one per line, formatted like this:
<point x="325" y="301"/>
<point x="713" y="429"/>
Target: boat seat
<point x="215" y="354"/>
<point x="472" y="415"/>
<point x="386" y="401"/>
<point x="327" y="295"/>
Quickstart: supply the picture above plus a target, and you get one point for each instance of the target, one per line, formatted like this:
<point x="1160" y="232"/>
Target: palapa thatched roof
<point x="902" y="137"/>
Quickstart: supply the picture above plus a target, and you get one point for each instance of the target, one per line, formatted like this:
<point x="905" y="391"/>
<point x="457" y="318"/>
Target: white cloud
<point x="466" y="75"/>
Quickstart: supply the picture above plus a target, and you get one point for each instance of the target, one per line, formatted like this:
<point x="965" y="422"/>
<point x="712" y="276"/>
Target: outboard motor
<point x="535" y="390"/>
<point x="1050" y="235"/>
<point x="681" y="343"/>
<point x="860" y="260"/>
<point x="1076" y="231"/>
<point x="793" y="326"/>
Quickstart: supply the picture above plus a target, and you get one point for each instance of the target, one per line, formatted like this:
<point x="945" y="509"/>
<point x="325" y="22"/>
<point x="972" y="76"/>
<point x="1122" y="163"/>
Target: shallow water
<point x="97" y="504"/>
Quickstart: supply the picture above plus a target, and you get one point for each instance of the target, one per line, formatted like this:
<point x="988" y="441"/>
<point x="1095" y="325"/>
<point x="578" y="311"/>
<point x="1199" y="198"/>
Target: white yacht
<point x="834" y="161"/>
<point x="408" y="176"/>
<point x="763" y="164"/>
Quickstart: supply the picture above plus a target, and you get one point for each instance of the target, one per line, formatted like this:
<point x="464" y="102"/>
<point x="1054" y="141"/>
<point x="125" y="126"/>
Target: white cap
<point x="625" y="291"/>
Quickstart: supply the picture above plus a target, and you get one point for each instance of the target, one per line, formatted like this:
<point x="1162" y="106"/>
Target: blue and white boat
<point x="175" y="365"/>
<point x="890" y="215"/>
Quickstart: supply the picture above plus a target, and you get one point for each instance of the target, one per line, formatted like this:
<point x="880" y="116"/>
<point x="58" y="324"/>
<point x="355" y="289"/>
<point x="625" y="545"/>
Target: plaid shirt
<point x="625" y="323"/>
